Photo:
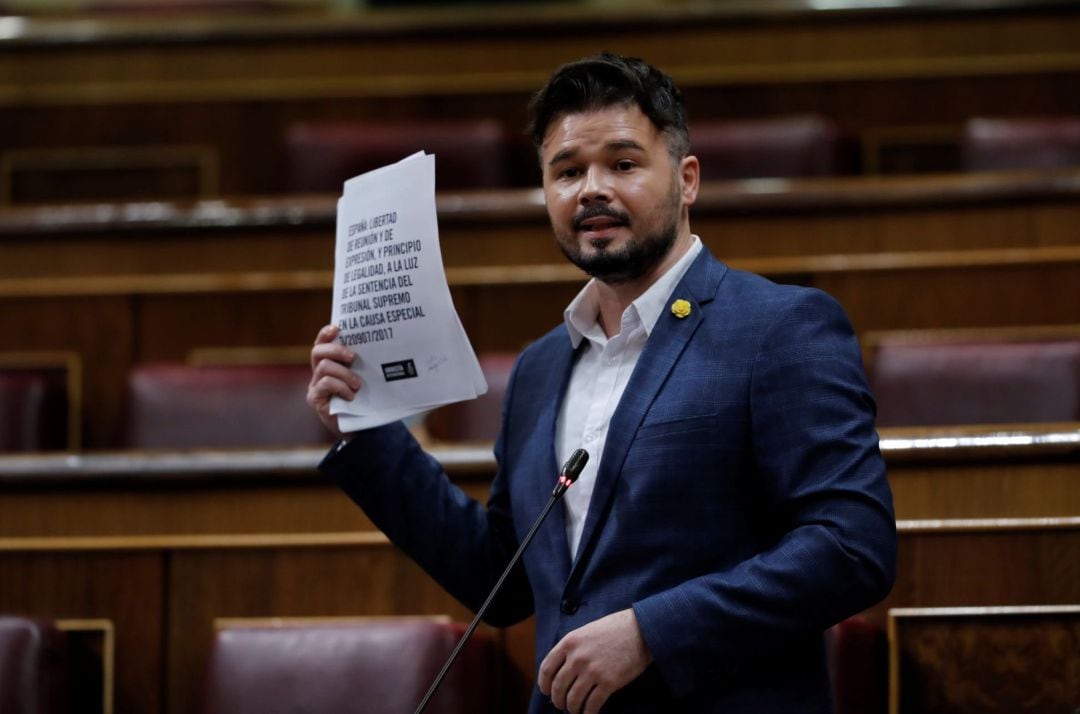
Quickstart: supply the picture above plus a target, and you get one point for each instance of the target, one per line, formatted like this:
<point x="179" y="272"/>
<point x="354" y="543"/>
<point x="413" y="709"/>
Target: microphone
<point x="569" y="473"/>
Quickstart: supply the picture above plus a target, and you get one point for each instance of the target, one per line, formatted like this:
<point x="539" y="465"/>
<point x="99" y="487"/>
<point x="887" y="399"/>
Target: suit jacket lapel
<point x="554" y="533"/>
<point x="666" y="343"/>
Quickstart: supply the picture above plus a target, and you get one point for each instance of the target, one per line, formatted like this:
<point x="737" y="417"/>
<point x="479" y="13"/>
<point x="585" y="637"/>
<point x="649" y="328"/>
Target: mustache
<point x="598" y="211"/>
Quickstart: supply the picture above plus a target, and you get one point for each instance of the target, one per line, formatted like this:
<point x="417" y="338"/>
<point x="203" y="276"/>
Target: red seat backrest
<point x="468" y="154"/>
<point x="373" y="667"/>
<point x="784" y="147"/>
<point x="183" y="406"/>
<point x="1022" y="143"/>
<point x="949" y="383"/>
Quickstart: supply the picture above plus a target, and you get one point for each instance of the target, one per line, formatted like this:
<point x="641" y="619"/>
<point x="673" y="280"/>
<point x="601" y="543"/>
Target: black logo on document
<point x="393" y="371"/>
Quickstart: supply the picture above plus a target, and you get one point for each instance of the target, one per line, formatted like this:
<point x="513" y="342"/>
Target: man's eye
<point x="569" y="172"/>
<point x="624" y="165"/>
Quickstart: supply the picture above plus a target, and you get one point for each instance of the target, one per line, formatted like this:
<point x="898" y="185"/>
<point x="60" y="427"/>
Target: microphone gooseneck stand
<point x="570" y="471"/>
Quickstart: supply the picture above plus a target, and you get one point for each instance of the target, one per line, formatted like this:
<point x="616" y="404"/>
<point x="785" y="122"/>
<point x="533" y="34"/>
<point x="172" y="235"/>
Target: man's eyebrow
<point x="562" y="156"/>
<point x="617" y="145"/>
<point x="623" y="144"/>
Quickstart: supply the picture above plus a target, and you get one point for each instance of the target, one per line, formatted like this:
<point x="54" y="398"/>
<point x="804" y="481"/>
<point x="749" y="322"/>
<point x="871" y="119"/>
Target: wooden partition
<point x="973" y="659"/>
<point x="134" y="108"/>
<point x="121" y="284"/>
<point x="162" y="544"/>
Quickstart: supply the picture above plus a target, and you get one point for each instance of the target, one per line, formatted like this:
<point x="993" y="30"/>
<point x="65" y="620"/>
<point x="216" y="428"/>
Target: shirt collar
<point x="581" y="315"/>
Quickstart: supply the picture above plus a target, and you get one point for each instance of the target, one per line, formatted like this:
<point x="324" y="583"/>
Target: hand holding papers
<point x="392" y="302"/>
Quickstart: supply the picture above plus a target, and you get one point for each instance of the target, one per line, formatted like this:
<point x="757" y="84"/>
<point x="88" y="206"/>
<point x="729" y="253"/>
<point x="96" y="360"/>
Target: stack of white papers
<point x="392" y="302"/>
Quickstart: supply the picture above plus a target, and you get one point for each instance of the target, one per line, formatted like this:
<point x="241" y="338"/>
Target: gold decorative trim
<point x="194" y="542"/>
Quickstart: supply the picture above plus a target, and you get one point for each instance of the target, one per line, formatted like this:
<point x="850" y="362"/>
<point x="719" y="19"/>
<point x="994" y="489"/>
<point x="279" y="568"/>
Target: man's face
<point x="615" y="197"/>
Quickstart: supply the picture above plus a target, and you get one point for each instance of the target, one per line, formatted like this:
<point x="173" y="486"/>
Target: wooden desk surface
<point x="985" y="471"/>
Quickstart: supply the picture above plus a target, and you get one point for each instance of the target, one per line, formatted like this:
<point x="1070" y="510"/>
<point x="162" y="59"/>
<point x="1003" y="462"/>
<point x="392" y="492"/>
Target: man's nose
<point x="595" y="187"/>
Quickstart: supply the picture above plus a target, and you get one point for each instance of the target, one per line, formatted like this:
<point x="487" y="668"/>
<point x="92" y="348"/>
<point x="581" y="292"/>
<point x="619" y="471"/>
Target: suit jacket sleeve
<point x="454" y="538"/>
<point x="816" y="453"/>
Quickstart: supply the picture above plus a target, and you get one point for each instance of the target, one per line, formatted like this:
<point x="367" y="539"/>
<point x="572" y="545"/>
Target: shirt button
<point x="590" y="437"/>
<point x="568" y="606"/>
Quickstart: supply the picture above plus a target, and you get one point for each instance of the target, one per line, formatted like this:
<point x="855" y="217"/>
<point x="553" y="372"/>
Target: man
<point x="735" y="504"/>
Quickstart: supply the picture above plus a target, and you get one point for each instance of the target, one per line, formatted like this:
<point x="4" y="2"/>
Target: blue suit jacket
<point x="741" y="505"/>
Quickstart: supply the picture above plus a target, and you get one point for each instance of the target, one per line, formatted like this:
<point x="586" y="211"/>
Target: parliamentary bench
<point x="987" y="517"/>
<point x="246" y="398"/>
<point x="935" y="252"/>
<point x="984" y="375"/>
<point x="879" y="292"/>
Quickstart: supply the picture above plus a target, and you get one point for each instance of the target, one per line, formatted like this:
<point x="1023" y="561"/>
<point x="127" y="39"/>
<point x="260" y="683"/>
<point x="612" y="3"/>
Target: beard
<point x="635" y="258"/>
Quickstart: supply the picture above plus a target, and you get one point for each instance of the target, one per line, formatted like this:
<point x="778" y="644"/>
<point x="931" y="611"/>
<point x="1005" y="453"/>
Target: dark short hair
<point x="607" y="80"/>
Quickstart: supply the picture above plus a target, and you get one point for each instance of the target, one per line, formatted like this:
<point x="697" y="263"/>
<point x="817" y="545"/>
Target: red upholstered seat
<point x="858" y="666"/>
<point x="783" y="147"/>
<point x="478" y="419"/>
<point x="182" y="406"/>
<point x="33" y="667"/>
<point x="1025" y="143"/>
<point x="33" y="410"/>
<point x="928" y="383"/>
<point x="468" y="154"/>
<point x="365" y="667"/>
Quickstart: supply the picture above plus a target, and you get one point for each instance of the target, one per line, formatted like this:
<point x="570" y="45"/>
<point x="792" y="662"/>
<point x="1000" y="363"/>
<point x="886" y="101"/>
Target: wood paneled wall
<point x="161" y="544"/>
<point x="139" y="109"/>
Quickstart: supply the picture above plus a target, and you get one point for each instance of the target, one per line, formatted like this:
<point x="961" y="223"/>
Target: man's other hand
<point x="594" y="661"/>
<point x="330" y="376"/>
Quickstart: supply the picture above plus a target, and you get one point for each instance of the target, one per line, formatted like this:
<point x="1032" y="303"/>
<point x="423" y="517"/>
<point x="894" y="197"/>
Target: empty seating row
<point x="252" y="405"/>
<point x="182" y="405"/>
<point x="386" y="665"/>
<point x="952" y="377"/>
<point x="919" y="378"/>
<point x="355" y="665"/>
<point x="936" y="659"/>
<point x="485" y="154"/>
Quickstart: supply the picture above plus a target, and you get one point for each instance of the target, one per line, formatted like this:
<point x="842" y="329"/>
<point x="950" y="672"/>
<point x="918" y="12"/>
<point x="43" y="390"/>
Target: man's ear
<point x="690" y="174"/>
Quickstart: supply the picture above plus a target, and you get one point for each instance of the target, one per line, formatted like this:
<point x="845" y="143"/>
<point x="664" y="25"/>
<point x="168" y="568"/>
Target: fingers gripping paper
<point x="392" y="301"/>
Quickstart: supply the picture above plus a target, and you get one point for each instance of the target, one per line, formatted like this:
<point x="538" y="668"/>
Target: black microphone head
<point x="574" y="465"/>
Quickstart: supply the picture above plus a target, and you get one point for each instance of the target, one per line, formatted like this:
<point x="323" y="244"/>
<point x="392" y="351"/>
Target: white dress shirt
<point x="599" y="378"/>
